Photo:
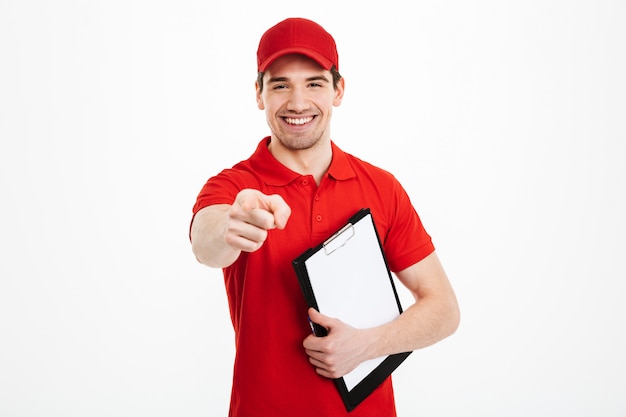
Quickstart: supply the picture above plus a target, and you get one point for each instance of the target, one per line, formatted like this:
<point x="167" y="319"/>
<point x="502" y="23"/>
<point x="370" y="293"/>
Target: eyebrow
<point x="284" y="79"/>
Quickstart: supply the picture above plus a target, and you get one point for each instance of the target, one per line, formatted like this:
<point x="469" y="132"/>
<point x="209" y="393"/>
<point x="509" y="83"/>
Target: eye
<point x="279" y="87"/>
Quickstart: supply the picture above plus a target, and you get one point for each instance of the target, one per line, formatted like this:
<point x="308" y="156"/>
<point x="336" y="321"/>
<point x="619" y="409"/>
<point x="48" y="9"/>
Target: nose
<point x="297" y="101"/>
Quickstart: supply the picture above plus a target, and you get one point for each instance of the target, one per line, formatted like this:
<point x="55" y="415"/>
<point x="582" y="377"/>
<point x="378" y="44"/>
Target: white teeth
<point x="292" y="121"/>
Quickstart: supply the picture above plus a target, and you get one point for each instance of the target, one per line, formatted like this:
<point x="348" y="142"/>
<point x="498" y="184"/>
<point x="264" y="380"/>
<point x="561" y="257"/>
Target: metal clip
<point x="338" y="244"/>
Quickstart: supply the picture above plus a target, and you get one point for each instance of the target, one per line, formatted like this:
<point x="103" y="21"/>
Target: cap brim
<point x="325" y="63"/>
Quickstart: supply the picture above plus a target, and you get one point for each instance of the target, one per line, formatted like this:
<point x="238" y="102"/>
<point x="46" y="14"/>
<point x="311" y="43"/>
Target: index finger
<point x="279" y="208"/>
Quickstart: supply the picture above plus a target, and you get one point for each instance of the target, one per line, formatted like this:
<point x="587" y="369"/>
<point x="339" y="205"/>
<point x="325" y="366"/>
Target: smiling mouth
<point x="298" y="121"/>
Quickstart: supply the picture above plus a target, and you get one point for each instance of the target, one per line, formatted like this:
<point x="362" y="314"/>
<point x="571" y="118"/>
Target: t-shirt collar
<point x="276" y="174"/>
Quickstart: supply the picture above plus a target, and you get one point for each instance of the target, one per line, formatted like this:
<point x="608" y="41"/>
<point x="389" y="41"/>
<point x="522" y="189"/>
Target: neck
<point x="311" y="161"/>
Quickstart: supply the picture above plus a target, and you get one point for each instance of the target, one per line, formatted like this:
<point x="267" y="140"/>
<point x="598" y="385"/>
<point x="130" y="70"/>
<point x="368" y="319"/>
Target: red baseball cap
<point x="297" y="36"/>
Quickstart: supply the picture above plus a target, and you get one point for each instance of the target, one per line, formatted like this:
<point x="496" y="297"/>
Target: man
<point x="296" y="189"/>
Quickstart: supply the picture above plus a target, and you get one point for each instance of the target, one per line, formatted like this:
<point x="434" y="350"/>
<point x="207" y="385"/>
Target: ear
<point x="339" y="90"/>
<point x="259" y="97"/>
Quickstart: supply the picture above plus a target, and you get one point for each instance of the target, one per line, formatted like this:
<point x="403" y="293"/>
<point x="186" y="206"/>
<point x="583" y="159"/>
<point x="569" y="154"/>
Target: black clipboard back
<point x="347" y="277"/>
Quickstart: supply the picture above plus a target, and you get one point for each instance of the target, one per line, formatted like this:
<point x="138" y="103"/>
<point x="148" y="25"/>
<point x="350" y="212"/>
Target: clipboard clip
<point x="334" y="242"/>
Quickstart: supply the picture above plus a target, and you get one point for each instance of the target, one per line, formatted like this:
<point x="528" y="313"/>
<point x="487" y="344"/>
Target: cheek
<point x="271" y="104"/>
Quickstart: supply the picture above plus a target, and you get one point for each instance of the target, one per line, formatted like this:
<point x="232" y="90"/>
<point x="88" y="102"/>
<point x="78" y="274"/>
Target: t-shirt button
<point x="318" y="217"/>
<point x="305" y="182"/>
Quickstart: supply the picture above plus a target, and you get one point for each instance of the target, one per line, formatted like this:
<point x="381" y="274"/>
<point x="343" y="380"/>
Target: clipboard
<point x="347" y="277"/>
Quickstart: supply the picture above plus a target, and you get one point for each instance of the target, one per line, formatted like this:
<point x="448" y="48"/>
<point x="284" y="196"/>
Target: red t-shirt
<point x="272" y="375"/>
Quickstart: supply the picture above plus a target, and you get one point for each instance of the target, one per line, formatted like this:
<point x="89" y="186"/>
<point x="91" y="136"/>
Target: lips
<point x="298" y="121"/>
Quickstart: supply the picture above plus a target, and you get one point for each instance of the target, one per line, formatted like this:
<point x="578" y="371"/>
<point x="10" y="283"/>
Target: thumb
<point x="320" y="319"/>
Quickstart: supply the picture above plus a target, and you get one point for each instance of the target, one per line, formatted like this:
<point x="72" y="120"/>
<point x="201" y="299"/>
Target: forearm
<point x="424" y="323"/>
<point x="207" y="237"/>
<point x="345" y="347"/>
<point x="434" y="315"/>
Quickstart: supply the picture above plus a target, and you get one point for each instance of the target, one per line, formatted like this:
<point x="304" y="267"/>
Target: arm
<point x="433" y="317"/>
<point x="220" y="232"/>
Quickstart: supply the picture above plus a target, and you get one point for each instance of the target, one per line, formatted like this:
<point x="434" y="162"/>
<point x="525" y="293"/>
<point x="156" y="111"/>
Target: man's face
<point x="298" y="97"/>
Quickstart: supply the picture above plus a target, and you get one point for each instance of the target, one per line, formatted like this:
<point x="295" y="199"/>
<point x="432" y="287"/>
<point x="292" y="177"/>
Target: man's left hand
<point x="339" y="352"/>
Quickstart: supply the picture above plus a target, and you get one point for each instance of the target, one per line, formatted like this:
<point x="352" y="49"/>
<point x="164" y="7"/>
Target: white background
<point x="505" y="121"/>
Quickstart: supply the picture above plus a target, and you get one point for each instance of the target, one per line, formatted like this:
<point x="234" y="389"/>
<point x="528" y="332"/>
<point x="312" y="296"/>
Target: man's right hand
<point x="251" y="216"/>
